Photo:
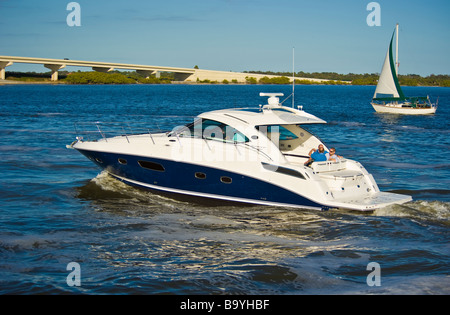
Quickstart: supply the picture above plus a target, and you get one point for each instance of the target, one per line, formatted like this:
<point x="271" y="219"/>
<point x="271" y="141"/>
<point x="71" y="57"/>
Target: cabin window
<point x="218" y="131"/>
<point x="151" y="166"/>
<point x="214" y="132"/>
<point x="122" y="161"/>
<point x="284" y="134"/>
<point x="238" y="137"/>
<point x="200" y="175"/>
<point x="226" y="179"/>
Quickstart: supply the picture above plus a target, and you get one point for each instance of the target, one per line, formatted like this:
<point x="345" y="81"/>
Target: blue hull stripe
<point x="193" y="179"/>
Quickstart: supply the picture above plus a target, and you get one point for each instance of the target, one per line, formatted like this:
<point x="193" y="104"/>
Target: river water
<point x="58" y="208"/>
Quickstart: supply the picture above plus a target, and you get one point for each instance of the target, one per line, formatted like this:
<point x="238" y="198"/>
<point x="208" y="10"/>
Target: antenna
<point x="293" y="75"/>
<point x="293" y="79"/>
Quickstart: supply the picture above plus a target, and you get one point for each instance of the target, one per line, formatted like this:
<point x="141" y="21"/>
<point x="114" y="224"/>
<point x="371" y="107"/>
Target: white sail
<point x="386" y="84"/>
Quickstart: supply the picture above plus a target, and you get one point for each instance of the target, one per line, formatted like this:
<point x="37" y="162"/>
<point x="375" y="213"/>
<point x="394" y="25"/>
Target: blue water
<point x="56" y="206"/>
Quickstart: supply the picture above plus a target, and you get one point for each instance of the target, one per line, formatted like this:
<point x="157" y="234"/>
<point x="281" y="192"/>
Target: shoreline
<point x="16" y="82"/>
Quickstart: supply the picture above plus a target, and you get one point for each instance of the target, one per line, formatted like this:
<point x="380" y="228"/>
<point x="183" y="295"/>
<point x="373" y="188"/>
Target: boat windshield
<point x="292" y="137"/>
<point x="211" y="130"/>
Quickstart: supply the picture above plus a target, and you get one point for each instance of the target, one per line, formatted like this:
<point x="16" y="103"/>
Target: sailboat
<point x="389" y="97"/>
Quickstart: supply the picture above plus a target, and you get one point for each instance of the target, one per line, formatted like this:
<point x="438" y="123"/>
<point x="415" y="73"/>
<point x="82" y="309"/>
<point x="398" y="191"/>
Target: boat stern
<point x="352" y="187"/>
<point x="369" y="203"/>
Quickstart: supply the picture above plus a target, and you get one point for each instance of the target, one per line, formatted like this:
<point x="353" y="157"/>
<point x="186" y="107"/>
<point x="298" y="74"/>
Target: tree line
<point x="132" y="77"/>
<point x="115" y="77"/>
<point x="366" y="78"/>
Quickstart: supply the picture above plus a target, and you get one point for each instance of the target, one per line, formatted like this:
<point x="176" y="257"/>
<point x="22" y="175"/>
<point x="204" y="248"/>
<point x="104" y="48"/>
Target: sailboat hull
<point x="399" y="109"/>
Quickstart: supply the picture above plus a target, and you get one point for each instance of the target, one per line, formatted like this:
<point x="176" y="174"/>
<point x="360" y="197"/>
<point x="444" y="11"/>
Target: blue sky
<point x="236" y="35"/>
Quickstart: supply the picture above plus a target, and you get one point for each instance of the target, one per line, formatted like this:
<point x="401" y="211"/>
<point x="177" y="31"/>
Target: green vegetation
<point x="363" y="79"/>
<point x="432" y="80"/>
<point x="251" y="80"/>
<point x="92" y="77"/>
<point x="277" y="80"/>
<point x="132" y="77"/>
<point x="112" y="78"/>
<point x="207" y="81"/>
<point x="98" y="78"/>
<point x="286" y="80"/>
<point x="139" y="78"/>
<point x="31" y="76"/>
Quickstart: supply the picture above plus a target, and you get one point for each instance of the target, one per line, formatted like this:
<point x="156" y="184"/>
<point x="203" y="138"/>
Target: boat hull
<point x="392" y="109"/>
<point x="198" y="180"/>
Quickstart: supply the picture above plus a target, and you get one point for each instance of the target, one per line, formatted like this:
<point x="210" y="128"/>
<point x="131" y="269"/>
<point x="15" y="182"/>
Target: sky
<point x="231" y="35"/>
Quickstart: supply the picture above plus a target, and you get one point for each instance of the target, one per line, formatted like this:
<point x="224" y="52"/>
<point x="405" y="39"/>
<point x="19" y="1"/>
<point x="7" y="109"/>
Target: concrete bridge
<point x="181" y="74"/>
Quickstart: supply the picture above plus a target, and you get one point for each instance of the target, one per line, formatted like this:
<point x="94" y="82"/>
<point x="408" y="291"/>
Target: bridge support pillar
<point x="3" y="65"/>
<point x="54" y="69"/>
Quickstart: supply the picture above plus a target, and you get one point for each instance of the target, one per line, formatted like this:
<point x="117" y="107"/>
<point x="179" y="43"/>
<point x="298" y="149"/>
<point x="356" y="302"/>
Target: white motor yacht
<point x="247" y="155"/>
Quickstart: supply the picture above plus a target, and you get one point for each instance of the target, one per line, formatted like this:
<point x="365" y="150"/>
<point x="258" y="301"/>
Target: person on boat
<point x="319" y="155"/>
<point x="332" y="156"/>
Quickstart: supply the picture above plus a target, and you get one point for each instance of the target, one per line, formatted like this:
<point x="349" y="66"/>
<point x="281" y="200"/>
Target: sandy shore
<point x="5" y="82"/>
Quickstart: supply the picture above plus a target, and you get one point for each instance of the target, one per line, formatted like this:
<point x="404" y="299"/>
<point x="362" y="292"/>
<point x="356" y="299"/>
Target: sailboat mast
<point x="396" y="50"/>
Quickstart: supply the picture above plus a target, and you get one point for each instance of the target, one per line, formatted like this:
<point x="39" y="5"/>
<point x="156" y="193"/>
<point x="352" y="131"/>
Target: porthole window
<point x="151" y="166"/>
<point x="122" y="161"/>
<point x="200" y="175"/>
<point x="99" y="160"/>
<point x="226" y="179"/>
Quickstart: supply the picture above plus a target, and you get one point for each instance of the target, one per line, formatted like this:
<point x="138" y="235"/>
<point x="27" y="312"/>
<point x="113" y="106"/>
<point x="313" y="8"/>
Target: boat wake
<point x="423" y="210"/>
<point x="112" y="193"/>
<point x="266" y="249"/>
